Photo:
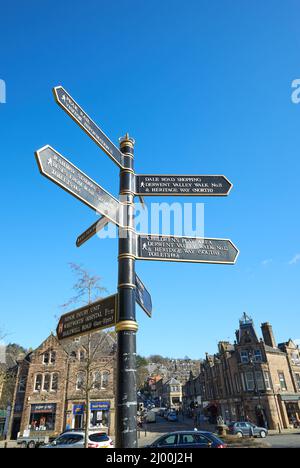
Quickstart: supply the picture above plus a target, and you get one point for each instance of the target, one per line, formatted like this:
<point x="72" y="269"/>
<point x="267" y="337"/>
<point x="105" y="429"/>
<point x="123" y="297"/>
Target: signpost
<point x="143" y="297"/>
<point x="88" y="319"/>
<point x="182" y="185"/>
<point x="63" y="173"/>
<point x="70" y="106"/>
<point x="119" y="310"/>
<point x="186" y="249"/>
<point x="92" y="231"/>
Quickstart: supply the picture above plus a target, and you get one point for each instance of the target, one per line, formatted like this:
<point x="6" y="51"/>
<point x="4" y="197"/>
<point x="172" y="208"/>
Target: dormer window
<point x="257" y="355"/>
<point x="244" y="357"/>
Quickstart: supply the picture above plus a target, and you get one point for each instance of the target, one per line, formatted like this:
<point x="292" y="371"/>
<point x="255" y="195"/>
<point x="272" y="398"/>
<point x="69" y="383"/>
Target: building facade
<point x="169" y="393"/>
<point x="56" y="381"/>
<point x="253" y="379"/>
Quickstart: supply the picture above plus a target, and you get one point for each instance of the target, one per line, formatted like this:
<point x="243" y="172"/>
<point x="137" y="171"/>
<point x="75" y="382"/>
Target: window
<point x="73" y="355"/>
<point x="244" y="357"/>
<point x="298" y="381"/>
<point x="80" y="381"/>
<point x="257" y="355"/>
<point x="267" y="380"/>
<point x="295" y="358"/>
<point x="82" y="356"/>
<point x="52" y="357"/>
<point x="259" y="380"/>
<point x="105" y="379"/>
<point x="97" y="380"/>
<point x="46" y="358"/>
<point x="69" y="439"/>
<point x="101" y="437"/>
<point x="54" y="382"/>
<point x="249" y="381"/>
<point x="237" y="383"/>
<point x="282" y="381"/>
<point x="38" y="382"/>
<point x="169" y="440"/>
<point x="47" y="381"/>
<point x="22" y="385"/>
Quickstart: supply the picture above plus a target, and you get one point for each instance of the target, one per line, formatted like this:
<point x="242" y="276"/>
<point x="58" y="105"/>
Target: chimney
<point x="268" y="334"/>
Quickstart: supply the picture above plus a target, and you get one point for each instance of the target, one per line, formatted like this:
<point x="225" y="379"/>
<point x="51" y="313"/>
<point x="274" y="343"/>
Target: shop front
<point x="42" y="417"/>
<point x="292" y="406"/>
<point x="100" y="415"/>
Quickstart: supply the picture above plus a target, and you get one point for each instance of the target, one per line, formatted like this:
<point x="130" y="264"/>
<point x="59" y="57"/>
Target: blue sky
<point x="205" y="88"/>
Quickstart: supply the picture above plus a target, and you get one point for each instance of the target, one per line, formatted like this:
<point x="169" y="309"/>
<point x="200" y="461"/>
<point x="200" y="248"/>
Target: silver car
<point x="75" y="439"/>
<point x="242" y="429"/>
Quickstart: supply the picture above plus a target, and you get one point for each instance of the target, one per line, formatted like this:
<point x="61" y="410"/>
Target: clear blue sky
<point x="205" y="88"/>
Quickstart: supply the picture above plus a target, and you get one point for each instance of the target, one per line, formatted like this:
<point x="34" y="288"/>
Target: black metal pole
<point x="126" y="408"/>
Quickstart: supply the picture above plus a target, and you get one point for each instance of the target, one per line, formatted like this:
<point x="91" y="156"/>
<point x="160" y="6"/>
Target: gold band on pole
<point x="127" y="325"/>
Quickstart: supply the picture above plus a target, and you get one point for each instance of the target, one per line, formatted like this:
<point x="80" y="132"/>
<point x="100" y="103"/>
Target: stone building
<point x="169" y="393"/>
<point x="52" y="384"/>
<point x="253" y="379"/>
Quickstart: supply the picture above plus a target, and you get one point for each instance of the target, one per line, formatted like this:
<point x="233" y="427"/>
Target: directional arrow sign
<point x="92" y="231"/>
<point x="143" y="297"/>
<point x="182" y="185"/>
<point x="58" y="169"/>
<point x="88" y="319"/>
<point x="67" y="103"/>
<point x="186" y="249"/>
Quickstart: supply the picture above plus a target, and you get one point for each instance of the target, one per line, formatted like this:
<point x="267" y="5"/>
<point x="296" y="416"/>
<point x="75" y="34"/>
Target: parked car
<point x="188" y="439"/>
<point x="73" y="439"/>
<point x="172" y="416"/>
<point x="244" y="429"/>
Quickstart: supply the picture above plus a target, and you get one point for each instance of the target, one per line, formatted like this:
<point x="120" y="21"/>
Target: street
<point x="161" y="427"/>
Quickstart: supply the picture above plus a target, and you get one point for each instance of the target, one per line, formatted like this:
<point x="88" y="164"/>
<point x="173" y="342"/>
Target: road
<point x="284" y="441"/>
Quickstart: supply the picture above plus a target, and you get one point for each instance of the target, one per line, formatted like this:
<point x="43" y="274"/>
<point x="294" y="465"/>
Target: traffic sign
<point x="68" y="104"/>
<point x="143" y="297"/>
<point x="63" y="173"/>
<point x="88" y="319"/>
<point x="186" y="249"/>
<point x="92" y="231"/>
<point x="182" y="185"/>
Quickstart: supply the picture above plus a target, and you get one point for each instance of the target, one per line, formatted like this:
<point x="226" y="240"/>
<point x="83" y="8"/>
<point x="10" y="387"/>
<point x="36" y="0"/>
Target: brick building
<point x="253" y="379"/>
<point x="51" y="386"/>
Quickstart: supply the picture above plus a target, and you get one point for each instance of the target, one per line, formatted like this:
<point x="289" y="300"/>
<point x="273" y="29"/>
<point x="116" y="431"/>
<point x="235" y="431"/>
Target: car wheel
<point x="31" y="445"/>
<point x="239" y="435"/>
<point x="263" y="434"/>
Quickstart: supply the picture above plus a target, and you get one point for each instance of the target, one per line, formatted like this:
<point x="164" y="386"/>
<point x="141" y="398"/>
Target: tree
<point x="87" y="289"/>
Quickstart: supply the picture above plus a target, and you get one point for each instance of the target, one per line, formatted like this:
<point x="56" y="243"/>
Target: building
<point x="253" y="379"/>
<point x="169" y="393"/>
<point x="52" y="386"/>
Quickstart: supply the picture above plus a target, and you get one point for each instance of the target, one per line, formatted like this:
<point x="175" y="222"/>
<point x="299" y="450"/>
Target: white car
<point x="75" y="439"/>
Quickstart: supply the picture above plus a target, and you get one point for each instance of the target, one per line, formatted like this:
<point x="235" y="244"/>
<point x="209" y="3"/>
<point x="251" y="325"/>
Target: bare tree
<point x="87" y="289"/>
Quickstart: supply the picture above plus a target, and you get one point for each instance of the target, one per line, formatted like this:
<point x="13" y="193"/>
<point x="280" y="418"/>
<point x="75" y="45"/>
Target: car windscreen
<point x="68" y="439"/>
<point x="99" y="437"/>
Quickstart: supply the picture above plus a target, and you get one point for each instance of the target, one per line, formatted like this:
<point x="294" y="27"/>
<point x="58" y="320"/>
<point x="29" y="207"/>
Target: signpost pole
<point x="126" y="328"/>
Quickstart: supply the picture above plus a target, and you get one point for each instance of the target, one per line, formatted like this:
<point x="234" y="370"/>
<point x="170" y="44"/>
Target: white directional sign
<point x="63" y="173"/>
<point x="182" y="185"/>
<point x="186" y="249"/>
<point x="68" y="104"/>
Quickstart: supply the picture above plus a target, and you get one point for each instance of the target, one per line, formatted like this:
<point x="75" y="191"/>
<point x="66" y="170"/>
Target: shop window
<point x="42" y="417"/>
<point x="105" y="379"/>
<point x="38" y="382"/>
<point x="47" y="381"/>
<point x="282" y="381"/>
<point x="54" y="382"/>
